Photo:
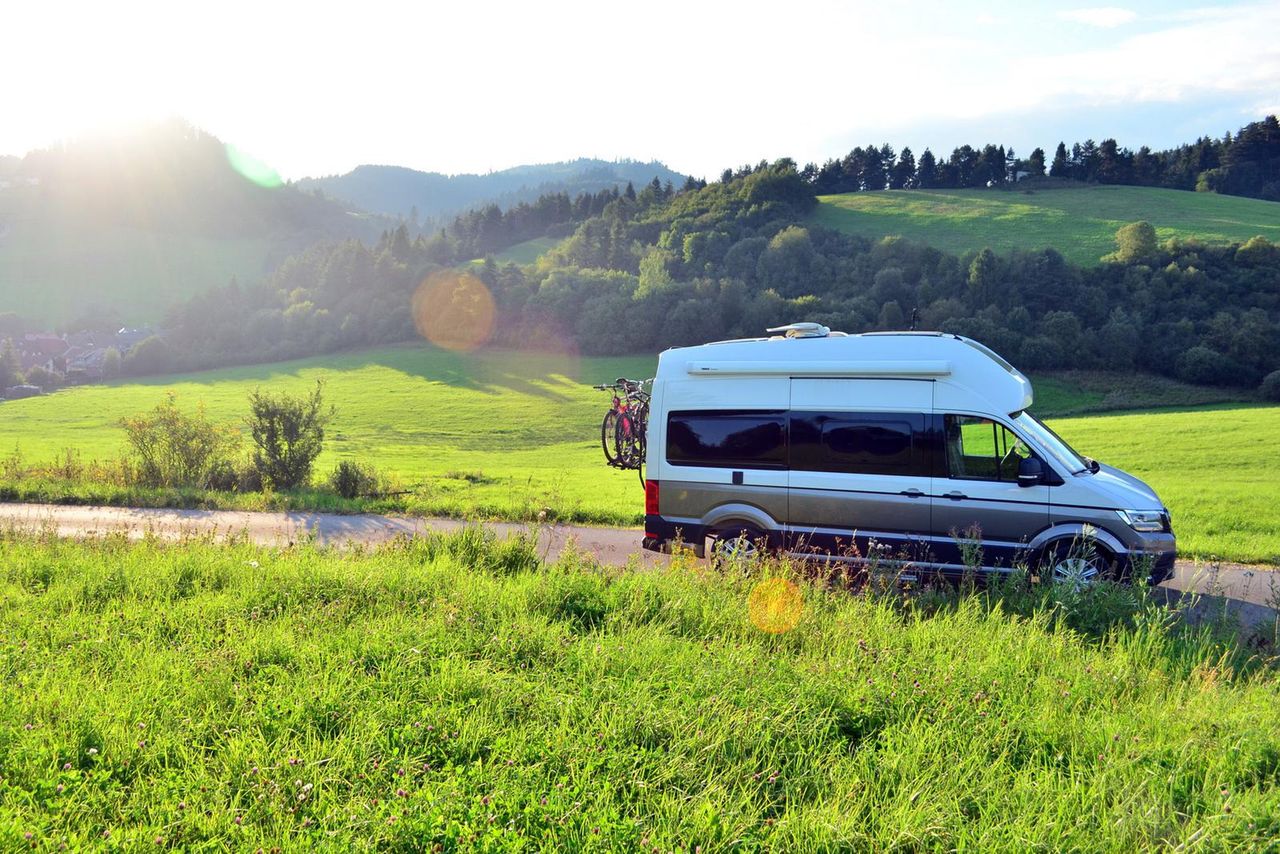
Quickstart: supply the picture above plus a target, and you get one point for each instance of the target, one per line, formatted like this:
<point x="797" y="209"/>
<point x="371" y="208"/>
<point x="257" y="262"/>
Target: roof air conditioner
<point x="801" y="330"/>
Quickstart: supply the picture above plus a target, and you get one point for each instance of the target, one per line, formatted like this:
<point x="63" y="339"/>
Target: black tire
<point x="1076" y="563"/>
<point x="737" y="543"/>
<point x="629" y="445"/>
<point x="609" y="436"/>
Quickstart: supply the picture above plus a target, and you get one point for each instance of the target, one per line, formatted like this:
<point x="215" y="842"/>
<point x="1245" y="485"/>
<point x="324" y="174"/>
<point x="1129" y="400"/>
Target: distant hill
<point x="397" y="191"/>
<point x="123" y="226"/>
<point x="1080" y="221"/>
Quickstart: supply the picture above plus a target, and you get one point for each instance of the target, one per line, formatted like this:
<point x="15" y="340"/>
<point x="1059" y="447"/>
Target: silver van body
<point x="909" y="447"/>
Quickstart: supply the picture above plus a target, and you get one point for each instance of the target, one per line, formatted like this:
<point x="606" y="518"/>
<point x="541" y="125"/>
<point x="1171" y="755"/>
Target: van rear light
<point x="651" y="498"/>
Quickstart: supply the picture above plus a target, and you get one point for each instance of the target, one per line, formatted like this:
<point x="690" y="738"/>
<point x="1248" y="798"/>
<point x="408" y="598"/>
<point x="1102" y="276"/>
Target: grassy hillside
<point x="457" y="695"/>
<point x="52" y="275"/>
<point x="505" y="434"/>
<point x="127" y="224"/>
<point x="1079" y="222"/>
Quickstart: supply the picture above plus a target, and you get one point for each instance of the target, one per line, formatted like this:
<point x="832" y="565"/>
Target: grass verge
<point x="456" y="693"/>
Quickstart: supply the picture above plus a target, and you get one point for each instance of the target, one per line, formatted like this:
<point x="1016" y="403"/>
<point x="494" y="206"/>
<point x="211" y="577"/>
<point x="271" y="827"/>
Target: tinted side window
<point x="727" y="438"/>
<point x="860" y="443"/>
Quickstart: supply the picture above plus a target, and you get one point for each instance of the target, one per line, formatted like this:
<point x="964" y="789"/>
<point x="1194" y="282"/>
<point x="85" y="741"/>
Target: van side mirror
<point x="1030" y="472"/>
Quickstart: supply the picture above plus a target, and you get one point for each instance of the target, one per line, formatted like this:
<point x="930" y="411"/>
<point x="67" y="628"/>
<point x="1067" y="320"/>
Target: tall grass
<point x="458" y="693"/>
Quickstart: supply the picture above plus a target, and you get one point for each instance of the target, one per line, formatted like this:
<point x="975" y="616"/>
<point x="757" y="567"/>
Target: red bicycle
<point x="622" y="433"/>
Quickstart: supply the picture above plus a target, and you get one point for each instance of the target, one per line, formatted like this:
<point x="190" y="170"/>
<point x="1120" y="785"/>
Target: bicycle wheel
<point x="609" y="436"/>
<point x="626" y="444"/>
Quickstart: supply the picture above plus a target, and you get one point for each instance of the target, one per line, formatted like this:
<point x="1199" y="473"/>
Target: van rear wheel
<point x="736" y="545"/>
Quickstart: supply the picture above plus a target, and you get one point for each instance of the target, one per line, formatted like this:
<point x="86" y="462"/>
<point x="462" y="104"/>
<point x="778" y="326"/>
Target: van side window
<point x="727" y="439"/>
<point x="982" y="449"/>
<point x="859" y="443"/>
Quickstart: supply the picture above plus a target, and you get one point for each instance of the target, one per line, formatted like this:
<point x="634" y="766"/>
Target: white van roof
<point x="969" y="372"/>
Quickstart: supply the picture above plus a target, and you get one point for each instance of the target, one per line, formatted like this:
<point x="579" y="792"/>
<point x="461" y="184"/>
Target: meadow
<point x="508" y="435"/>
<point x="1080" y="222"/>
<point x="456" y="693"/>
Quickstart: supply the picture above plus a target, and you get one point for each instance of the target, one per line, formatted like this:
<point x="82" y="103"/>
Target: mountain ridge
<point x="395" y="190"/>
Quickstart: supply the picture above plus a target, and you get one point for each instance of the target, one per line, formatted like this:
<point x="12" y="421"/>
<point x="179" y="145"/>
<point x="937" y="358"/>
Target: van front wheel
<point x="1075" y="564"/>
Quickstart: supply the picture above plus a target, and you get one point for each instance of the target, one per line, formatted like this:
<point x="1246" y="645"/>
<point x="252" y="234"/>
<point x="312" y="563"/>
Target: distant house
<point x="88" y="339"/>
<point x="126" y="339"/>
<point x="40" y="349"/>
<point x="85" y="363"/>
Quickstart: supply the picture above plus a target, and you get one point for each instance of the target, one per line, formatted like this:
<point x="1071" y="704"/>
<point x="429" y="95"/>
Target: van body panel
<point x="862" y="395"/>
<point x="1003" y="517"/>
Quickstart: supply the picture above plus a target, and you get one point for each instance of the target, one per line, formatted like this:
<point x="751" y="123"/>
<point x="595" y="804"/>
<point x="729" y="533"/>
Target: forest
<point x="664" y="267"/>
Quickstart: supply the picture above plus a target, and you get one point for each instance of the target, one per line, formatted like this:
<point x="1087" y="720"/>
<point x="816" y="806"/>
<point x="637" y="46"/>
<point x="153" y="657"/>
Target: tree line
<point x="1244" y="164"/>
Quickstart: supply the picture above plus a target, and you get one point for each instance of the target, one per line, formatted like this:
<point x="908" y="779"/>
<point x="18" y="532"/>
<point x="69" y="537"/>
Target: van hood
<point x="1124" y="489"/>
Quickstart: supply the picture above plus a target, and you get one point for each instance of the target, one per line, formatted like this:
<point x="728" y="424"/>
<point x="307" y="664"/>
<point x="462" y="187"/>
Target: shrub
<point x="288" y="435"/>
<point x="1134" y="242"/>
<point x="1270" y="387"/>
<point x="223" y="477"/>
<point x="173" y="448"/>
<point x="352" y="479"/>
<point x="1205" y="366"/>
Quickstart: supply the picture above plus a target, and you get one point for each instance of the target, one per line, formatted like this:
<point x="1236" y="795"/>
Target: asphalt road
<point x="1251" y="591"/>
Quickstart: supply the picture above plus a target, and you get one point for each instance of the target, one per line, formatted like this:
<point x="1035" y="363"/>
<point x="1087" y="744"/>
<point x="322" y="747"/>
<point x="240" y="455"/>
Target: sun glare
<point x="252" y="168"/>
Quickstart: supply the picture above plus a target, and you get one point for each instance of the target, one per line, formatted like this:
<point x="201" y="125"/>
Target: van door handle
<point x="912" y="493"/>
<point x="955" y="496"/>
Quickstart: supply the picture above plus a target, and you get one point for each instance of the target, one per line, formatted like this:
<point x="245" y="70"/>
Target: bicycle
<point x="622" y="432"/>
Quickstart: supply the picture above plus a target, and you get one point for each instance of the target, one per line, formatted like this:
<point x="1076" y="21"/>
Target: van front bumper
<point x="1155" y="553"/>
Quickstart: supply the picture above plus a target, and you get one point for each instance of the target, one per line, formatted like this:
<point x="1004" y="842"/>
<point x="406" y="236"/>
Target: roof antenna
<point x="915" y="315"/>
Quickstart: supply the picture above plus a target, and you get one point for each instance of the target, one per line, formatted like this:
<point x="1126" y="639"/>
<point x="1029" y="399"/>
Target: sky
<point x="471" y="86"/>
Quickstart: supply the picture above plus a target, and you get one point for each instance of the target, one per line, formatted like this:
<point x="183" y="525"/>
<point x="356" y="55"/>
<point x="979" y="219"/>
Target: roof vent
<point x="801" y="330"/>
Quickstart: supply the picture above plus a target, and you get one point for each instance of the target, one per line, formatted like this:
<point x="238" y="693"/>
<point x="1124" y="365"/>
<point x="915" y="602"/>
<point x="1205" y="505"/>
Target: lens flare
<point x="775" y="606"/>
<point x="454" y="310"/>
<point x="252" y="168"/>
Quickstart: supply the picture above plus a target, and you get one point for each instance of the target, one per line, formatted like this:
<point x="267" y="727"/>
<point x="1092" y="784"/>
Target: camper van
<point x="912" y="447"/>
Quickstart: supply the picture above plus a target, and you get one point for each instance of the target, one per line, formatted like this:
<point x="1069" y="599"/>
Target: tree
<point x="288" y="435"/>
<point x="44" y="378"/>
<point x="903" y="171"/>
<point x="111" y="363"/>
<point x="150" y="356"/>
<point x="1060" y="168"/>
<point x="1134" y="242"/>
<point x="984" y="279"/>
<point x="1035" y="163"/>
<point x="10" y="366"/>
<point x="927" y="171"/>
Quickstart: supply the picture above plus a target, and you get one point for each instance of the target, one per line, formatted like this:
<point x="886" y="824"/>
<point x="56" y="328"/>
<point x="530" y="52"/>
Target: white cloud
<point x="1236" y="52"/>
<point x="1104" y="17"/>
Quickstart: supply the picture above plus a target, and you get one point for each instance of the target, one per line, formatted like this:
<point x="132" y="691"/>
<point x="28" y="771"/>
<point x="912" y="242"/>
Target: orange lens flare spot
<point x="775" y="606"/>
<point x="454" y="311"/>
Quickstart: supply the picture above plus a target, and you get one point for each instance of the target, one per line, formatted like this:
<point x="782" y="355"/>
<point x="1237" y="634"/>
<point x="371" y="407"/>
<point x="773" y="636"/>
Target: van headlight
<point x="1145" y="521"/>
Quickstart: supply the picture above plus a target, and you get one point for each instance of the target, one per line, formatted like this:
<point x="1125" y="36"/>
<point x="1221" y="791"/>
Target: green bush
<point x="173" y="448"/>
<point x="1270" y="387"/>
<point x="352" y="479"/>
<point x="288" y="435"/>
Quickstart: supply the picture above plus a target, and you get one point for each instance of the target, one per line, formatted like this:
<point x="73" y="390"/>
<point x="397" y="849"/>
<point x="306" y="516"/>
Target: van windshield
<point x="1033" y="428"/>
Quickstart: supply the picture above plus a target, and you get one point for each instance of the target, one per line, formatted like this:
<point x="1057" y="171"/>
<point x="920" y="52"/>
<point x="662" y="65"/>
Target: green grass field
<point x="452" y="694"/>
<point x="1080" y="222"/>
<point x="507" y="434"/>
